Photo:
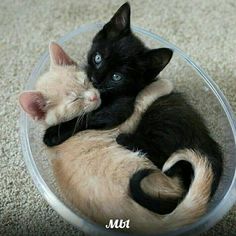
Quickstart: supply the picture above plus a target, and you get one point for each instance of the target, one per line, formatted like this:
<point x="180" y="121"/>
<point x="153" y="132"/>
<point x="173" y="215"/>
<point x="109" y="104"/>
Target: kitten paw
<point x="126" y="141"/>
<point x="51" y="138"/>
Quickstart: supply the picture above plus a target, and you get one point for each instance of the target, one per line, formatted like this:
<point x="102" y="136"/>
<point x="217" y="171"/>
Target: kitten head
<point x="118" y="62"/>
<point x="62" y="93"/>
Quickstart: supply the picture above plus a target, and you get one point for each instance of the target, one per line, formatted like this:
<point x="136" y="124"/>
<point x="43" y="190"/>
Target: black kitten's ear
<point x="119" y="23"/>
<point x="156" y="60"/>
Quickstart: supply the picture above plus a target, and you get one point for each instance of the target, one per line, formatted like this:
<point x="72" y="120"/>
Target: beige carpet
<point x="206" y="30"/>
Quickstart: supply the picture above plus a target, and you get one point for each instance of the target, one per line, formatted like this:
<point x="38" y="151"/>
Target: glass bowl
<point x="187" y="77"/>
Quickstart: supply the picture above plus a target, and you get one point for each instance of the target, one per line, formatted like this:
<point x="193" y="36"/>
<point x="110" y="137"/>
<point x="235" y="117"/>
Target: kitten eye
<point x="71" y="94"/>
<point x="79" y="97"/>
<point x="117" y="77"/>
<point x="97" y="58"/>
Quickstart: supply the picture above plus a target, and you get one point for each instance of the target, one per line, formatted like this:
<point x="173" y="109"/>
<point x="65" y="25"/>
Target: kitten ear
<point x="156" y="60"/>
<point x="58" y="56"/>
<point x="119" y="23"/>
<point x="33" y="103"/>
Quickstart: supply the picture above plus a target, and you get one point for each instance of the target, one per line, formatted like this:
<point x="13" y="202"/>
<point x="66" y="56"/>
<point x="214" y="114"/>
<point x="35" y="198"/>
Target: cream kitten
<point x="93" y="171"/>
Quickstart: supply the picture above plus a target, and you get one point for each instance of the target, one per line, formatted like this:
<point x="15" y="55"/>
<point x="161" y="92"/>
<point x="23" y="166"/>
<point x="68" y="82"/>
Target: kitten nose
<point x="93" y="98"/>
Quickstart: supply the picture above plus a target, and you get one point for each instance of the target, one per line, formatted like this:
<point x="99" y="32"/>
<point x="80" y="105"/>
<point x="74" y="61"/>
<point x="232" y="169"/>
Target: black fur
<point x="168" y="125"/>
<point x="109" y="115"/>
<point x="158" y="205"/>
<point x="122" y="53"/>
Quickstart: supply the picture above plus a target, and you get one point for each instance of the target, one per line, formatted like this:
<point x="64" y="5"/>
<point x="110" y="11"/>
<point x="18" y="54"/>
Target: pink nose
<point x="93" y="98"/>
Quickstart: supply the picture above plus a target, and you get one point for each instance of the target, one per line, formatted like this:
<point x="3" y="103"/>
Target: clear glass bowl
<point x="202" y="92"/>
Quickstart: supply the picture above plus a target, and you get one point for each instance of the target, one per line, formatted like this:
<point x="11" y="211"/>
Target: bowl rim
<point x="198" y="227"/>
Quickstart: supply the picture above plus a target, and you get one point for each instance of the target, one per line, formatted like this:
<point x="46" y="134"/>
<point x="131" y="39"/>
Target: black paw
<point x="52" y="137"/>
<point x="126" y="141"/>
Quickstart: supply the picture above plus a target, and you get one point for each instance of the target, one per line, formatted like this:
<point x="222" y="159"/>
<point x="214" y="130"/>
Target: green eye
<point x="117" y="77"/>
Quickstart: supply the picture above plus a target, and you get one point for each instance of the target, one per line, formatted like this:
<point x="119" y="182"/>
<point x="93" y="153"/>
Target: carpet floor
<point x="206" y="30"/>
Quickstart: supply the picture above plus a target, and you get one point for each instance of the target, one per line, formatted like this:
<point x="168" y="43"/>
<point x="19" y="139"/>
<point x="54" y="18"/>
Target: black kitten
<point x="119" y="65"/>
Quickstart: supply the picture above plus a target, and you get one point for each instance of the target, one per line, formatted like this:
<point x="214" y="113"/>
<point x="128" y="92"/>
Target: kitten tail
<point x="195" y="202"/>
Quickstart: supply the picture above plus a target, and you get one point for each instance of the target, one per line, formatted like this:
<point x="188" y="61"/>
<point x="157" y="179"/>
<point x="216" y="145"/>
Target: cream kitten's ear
<point x="58" y="56"/>
<point x="33" y="103"/>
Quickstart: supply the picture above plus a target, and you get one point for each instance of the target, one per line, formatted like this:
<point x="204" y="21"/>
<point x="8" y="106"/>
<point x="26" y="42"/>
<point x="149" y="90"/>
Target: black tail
<point x="158" y="204"/>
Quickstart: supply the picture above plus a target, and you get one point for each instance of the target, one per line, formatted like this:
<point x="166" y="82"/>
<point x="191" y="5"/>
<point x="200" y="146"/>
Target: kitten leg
<point x="145" y="99"/>
<point x="168" y="188"/>
<point x="57" y="134"/>
<point x="129" y="142"/>
<point x="106" y="117"/>
<point x="155" y="191"/>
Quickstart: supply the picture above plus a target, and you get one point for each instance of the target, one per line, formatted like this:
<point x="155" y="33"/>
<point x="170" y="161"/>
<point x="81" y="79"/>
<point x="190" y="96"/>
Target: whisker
<point x="79" y="119"/>
<point x="58" y="131"/>
<point x="87" y="117"/>
<point x="76" y="123"/>
<point x="82" y="119"/>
